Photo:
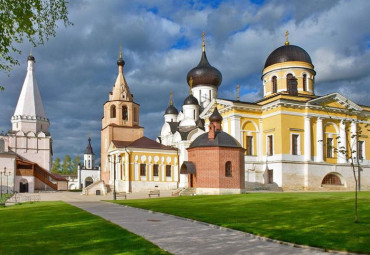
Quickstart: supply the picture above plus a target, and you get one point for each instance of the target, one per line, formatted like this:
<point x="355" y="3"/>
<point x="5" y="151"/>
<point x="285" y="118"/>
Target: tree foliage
<point x="67" y="167"/>
<point x="31" y="20"/>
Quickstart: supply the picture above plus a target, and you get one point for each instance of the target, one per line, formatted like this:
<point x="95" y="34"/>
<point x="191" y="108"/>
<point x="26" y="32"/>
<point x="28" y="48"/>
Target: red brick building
<point x="216" y="161"/>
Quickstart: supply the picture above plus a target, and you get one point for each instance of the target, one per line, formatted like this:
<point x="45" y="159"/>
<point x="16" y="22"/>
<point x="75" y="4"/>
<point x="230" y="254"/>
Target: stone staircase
<point x="188" y="192"/>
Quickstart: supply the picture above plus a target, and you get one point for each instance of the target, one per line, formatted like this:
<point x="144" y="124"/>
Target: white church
<point x="26" y="150"/>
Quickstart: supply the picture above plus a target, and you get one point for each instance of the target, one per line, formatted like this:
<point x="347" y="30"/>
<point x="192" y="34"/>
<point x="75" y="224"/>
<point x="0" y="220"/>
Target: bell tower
<point x="121" y="118"/>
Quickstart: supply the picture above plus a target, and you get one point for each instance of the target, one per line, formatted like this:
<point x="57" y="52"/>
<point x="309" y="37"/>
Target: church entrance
<point x="191" y="181"/>
<point x="88" y="181"/>
<point x="23" y="186"/>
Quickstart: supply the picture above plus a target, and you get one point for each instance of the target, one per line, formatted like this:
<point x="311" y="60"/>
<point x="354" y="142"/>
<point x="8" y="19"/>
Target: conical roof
<point x="89" y="149"/>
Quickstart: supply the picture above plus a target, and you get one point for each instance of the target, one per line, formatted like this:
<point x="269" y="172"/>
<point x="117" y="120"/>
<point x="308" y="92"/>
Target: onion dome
<point x="288" y="53"/>
<point x="171" y="110"/>
<point x="222" y="139"/>
<point x="204" y="73"/>
<point x="120" y="61"/>
<point x="89" y="149"/>
<point x="216" y="116"/>
<point x="191" y="100"/>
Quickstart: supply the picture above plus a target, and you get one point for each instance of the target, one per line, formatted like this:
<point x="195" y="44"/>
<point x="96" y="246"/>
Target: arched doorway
<point x="332" y="179"/>
<point x="23" y="186"/>
<point x="88" y="181"/>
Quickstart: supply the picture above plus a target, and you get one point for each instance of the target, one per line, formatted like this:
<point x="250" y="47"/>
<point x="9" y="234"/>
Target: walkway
<point x="181" y="236"/>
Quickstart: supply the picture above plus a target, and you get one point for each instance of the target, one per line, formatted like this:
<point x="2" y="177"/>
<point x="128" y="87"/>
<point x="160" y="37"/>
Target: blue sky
<point x="162" y="41"/>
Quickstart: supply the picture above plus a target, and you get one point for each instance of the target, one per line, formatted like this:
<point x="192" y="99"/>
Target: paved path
<point x="180" y="236"/>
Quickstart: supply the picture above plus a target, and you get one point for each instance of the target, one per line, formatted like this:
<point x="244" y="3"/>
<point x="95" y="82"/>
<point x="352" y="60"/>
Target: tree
<point x="75" y="162"/>
<point x="66" y="166"/>
<point x="31" y="20"/>
<point x="56" y="168"/>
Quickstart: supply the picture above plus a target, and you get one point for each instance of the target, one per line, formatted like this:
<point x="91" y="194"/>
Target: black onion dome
<point x="204" y="73"/>
<point x="89" y="149"/>
<point x="222" y="139"/>
<point x="30" y="57"/>
<point x="216" y="116"/>
<point x="191" y="100"/>
<point x="288" y="53"/>
<point x="120" y="62"/>
<point x="171" y="110"/>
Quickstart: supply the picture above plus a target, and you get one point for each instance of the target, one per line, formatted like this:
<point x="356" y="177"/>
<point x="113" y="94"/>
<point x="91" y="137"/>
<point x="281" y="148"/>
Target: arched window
<point x="291" y="85"/>
<point x="274" y="84"/>
<point x="113" y="111"/>
<point x="124" y="113"/>
<point x="331" y="179"/>
<point x="228" y="169"/>
<point x="304" y="82"/>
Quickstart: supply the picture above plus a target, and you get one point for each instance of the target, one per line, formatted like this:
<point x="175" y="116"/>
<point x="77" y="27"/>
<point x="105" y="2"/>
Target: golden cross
<point x="237" y="92"/>
<point x="203" y="43"/>
<point x="286" y="38"/>
<point x="89" y="134"/>
<point x="171" y="98"/>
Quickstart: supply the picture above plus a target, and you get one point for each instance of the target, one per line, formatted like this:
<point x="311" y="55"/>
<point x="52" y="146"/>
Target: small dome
<point x="288" y="53"/>
<point x="171" y="110"/>
<point x="191" y="100"/>
<point x="120" y="62"/>
<point x="222" y="139"/>
<point x="204" y="73"/>
<point x="216" y="116"/>
<point x="32" y="58"/>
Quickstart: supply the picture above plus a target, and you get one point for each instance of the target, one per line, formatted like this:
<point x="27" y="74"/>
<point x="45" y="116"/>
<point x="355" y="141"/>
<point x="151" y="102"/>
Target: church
<point x="26" y="150"/>
<point x="293" y="139"/>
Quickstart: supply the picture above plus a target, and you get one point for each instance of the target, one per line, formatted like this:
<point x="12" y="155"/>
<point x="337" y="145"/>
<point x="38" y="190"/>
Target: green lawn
<point x="59" y="228"/>
<point x="316" y="219"/>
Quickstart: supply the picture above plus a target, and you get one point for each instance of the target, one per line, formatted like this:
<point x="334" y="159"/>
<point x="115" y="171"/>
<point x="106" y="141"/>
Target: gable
<point x="335" y="100"/>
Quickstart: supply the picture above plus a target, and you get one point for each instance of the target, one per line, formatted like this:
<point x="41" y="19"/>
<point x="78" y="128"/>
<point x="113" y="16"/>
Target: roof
<point x="89" y="149"/>
<point x="188" y="167"/>
<point x="222" y="139"/>
<point x="171" y="110"/>
<point x="191" y="100"/>
<point x="287" y="53"/>
<point x="143" y="142"/>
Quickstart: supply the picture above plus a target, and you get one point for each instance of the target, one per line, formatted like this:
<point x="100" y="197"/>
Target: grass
<point x="59" y="228"/>
<point x="316" y="219"/>
<point x="3" y="199"/>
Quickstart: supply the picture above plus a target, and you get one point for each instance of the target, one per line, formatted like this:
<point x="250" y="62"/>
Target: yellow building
<point x="130" y="161"/>
<point x="294" y="139"/>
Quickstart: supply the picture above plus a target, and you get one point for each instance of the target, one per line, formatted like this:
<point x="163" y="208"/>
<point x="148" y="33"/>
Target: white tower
<point x="89" y="157"/>
<point x="29" y="114"/>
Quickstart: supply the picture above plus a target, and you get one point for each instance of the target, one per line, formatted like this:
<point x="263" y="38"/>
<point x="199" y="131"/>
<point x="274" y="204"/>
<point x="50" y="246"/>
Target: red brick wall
<point x="210" y="167"/>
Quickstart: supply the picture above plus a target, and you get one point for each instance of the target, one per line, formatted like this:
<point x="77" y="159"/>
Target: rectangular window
<point x="270" y="176"/>
<point x="168" y="170"/>
<point x="295" y="144"/>
<point x="249" y="145"/>
<point x="155" y="170"/>
<point x="329" y="147"/>
<point x="360" y="150"/>
<point x="142" y="169"/>
<point x="270" y="145"/>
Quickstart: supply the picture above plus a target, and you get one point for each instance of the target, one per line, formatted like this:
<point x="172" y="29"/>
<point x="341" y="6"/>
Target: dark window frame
<point x="249" y="145"/>
<point x="155" y="170"/>
<point x="168" y="170"/>
<point x="142" y="169"/>
<point x="228" y="169"/>
<point x="329" y="147"/>
<point x="295" y="144"/>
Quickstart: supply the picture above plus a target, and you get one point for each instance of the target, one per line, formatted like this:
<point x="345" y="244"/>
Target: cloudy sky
<point x="162" y="41"/>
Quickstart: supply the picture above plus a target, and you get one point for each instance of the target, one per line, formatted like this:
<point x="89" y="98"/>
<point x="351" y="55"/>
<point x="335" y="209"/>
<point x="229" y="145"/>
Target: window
<point x="135" y="114"/>
<point x="360" y="150"/>
<point x="210" y="95"/>
<point x="249" y="145"/>
<point x="155" y="170"/>
<point x="270" y="176"/>
<point x="304" y="82"/>
<point x="331" y="179"/>
<point x="291" y="85"/>
<point x="142" y="169"/>
<point x="124" y="113"/>
<point x="329" y="147"/>
<point x="113" y="111"/>
<point x="168" y="170"/>
<point x="295" y="138"/>
<point x="274" y="84"/>
<point x="270" y="145"/>
<point x="228" y="169"/>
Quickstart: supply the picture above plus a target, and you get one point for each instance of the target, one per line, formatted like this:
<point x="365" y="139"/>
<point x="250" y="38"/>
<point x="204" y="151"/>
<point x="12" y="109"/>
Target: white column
<point x="260" y="140"/>
<point x="307" y="138"/>
<point x="354" y="138"/>
<point x="320" y="141"/>
<point x="118" y="174"/>
<point x="343" y="142"/>
<point x="235" y="127"/>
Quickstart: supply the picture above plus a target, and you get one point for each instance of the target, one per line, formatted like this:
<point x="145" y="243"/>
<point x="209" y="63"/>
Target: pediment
<point x="335" y="100"/>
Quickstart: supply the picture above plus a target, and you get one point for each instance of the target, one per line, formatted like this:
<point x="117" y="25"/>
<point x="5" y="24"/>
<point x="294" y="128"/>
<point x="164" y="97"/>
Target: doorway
<point x="23" y="186"/>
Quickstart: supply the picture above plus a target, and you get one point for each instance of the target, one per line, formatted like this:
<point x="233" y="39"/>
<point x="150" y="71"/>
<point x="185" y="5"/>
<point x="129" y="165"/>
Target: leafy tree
<point x="31" y="20"/>
<point x="75" y="162"/>
<point x="66" y="166"/>
<point x="56" y="167"/>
